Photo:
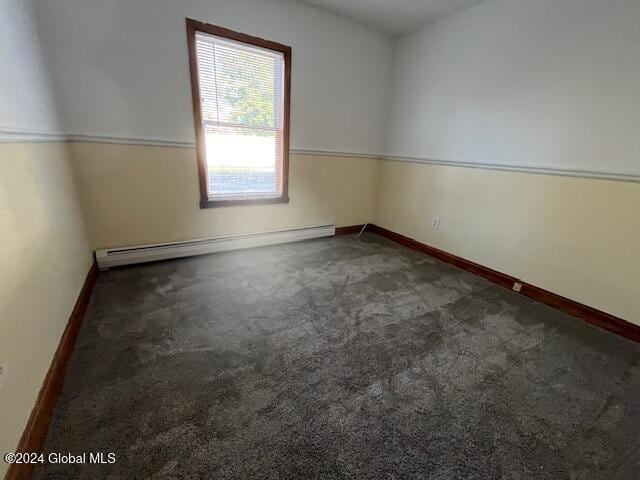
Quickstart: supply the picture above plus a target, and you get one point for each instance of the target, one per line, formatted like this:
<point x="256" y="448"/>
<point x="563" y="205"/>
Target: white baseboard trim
<point x="8" y="135"/>
<point x="115" y="257"/>
<point x="11" y="135"/>
<point x="561" y="172"/>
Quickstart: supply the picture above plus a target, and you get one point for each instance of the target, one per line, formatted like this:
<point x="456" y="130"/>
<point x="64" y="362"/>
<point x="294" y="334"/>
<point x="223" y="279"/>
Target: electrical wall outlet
<point x="517" y="287"/>
<point x="435" y="223"/>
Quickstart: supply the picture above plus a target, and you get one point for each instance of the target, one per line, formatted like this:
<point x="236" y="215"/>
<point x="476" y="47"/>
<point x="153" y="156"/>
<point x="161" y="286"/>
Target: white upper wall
<point x="396" y="17"/>
<point x="546" y="83"/>
<point x="120" y="68"/>
<point x="26" y="102"/>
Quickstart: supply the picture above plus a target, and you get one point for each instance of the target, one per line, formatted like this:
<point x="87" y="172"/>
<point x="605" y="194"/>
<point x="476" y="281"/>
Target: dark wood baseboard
<point x="36" y="429"/>
<point x="591" y="315"/>
<point x="350" y="230"/>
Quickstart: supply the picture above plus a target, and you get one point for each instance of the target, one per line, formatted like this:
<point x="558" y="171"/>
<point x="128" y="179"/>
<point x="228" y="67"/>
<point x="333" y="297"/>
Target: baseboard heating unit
<point x="114" y="257"/>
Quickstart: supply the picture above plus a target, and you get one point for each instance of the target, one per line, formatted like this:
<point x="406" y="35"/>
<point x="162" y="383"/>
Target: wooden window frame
<point x="194" y="26"/>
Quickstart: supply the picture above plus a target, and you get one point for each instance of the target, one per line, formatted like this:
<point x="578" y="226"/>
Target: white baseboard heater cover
<point x="114" y="257"/>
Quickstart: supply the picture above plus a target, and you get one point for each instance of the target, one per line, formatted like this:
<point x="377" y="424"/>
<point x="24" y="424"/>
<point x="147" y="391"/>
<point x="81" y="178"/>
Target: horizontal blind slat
<point x="241" y="96"/>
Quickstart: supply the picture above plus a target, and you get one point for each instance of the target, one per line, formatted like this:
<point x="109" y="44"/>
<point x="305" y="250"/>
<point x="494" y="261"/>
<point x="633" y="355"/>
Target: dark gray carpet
<point x="340" y="359"/>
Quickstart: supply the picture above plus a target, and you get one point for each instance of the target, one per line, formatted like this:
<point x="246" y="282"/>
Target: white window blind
<point x="242" y="103"/>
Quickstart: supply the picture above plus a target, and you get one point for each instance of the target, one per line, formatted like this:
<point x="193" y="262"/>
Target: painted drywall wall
<point x="26" y="101"/>
<point x="573" y="236"/>
<point x="547" y="83"/>
<point x="44" y="248"/>
<point x="550" y="84"/>
<point x="120" y="68"/>
<point x="44" y="259"/>
<point x="134" y="195"/>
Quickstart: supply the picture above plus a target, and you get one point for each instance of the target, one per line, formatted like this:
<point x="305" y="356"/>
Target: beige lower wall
<point x="135" y="195"/>
<point x="573" y="236"/>
<point x="44" y="259"/>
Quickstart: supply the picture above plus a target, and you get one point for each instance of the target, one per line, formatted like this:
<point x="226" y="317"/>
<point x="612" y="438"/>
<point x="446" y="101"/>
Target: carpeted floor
<point x="340" y="359"/>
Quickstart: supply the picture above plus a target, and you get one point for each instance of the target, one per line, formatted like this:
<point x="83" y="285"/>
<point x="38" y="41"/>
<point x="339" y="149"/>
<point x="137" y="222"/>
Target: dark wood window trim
<point x="194" y="26"/>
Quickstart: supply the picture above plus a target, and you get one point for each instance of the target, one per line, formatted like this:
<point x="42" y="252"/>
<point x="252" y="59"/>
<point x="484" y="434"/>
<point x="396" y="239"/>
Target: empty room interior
<point x="295" y="239"/>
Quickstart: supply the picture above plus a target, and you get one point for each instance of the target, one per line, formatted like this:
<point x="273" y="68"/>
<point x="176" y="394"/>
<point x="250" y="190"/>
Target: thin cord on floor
<point x="357" y="237"/>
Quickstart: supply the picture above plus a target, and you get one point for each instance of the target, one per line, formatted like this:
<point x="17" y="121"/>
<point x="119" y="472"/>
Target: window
<point x="240" y="88"/>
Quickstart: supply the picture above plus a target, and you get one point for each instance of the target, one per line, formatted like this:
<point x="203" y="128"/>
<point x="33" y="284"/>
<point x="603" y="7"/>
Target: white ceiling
<point x="394" y="17"/>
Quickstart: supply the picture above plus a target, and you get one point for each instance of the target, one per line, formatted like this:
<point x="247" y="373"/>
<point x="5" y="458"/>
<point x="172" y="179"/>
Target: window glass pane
<point x="242" y="161"/>
<point x="241" y="96"/>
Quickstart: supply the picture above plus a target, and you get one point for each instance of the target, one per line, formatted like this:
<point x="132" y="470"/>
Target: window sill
<point x="208" y="203"/>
